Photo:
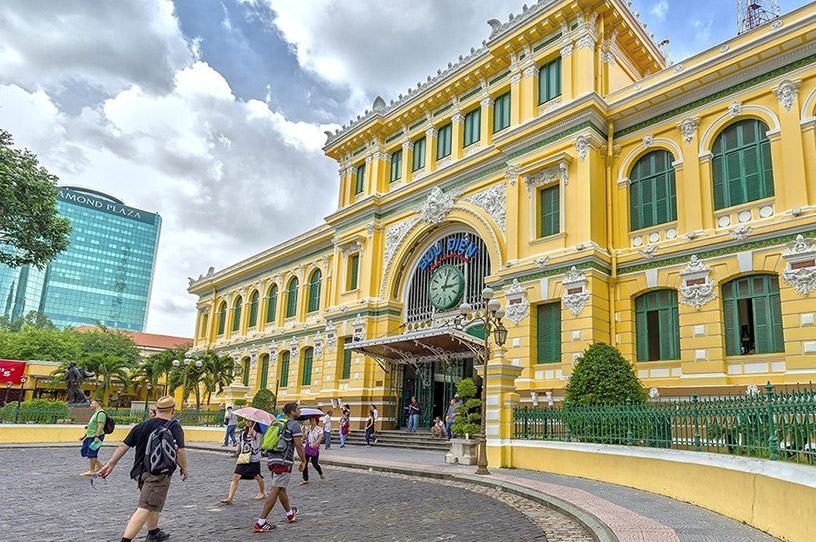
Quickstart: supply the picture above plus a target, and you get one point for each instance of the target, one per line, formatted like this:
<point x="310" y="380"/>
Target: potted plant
<point x="466" y="424"/>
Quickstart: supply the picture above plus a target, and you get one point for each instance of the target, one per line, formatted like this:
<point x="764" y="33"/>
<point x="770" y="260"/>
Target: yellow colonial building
<point x="603" y="193"/>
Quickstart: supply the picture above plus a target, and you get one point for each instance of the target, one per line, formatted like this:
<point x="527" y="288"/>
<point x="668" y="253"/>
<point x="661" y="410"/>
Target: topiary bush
<point x="603" y="377"/>
<point x="467" y="420"/>
<point x="264" y="399"/>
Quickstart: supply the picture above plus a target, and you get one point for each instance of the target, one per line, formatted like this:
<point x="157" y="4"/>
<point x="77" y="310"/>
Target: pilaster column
<point x="501" y="399"/>
<point x="430" y="149"/>
<point x="793" y="164"/>
<point x="529" y="93"/>
<point x="371" y="171"/>
<point x="688" y="181"/>
<point x="457" y="135"/>
<point x="407" y="160"/>
<point x="584" y="61"/>
<point x="515" y="98"/>
<point x="486" y="105"/>
<point x="567" y="69"/>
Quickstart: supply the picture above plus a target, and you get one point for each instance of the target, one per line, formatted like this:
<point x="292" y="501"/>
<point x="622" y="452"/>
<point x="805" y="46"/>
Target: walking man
<point x="152" y="487"/>
<point x="94" y="435"/>
<point x="413" y="415"/>
<point x="327" y="427"/>
<point x="231" y="420"/>
<point x="280" y="463"/>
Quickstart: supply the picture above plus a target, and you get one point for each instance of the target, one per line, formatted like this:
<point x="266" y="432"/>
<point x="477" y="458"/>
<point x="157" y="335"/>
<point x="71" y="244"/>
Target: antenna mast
<point x="753" y="13"/>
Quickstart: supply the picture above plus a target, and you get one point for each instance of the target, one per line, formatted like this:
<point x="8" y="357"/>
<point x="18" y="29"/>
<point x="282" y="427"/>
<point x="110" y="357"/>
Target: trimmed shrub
<point x="264" y="399"/>
<point x="603" y="377"/>
<point x="468" y="418"/>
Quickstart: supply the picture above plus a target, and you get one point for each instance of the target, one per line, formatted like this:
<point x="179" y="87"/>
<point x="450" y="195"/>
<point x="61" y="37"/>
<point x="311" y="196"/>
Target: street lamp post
<point x="491" y="322"/>
<point x="8" y="388"/>
<point x="147" y="397"/>
<point x="20" y="398"/>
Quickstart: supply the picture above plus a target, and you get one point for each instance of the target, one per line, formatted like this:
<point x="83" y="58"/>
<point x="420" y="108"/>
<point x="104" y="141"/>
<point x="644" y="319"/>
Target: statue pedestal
<point x="231" y="393"/>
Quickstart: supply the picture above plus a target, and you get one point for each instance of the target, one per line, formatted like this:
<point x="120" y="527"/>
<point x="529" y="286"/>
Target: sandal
<point x="225" y="501"/>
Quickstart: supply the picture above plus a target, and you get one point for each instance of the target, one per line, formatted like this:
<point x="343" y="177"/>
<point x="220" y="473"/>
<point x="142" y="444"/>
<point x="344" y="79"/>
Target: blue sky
<point x="212" y="112"/>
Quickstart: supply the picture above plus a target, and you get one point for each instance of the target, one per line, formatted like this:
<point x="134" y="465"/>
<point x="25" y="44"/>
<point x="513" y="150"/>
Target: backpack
<point x="273" y="440"/>
<point x="161" y="451"/>
<point x="110" y="424"/>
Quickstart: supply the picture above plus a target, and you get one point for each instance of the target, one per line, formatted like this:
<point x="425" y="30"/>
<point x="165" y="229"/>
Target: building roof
<point x="148" y="340"/>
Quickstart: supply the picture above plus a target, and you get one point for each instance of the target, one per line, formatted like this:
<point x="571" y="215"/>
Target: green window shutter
<point x="253" y="310"/>
<point x="664" y="303"/>
<point x="443" y="141"/>
<point x="718" y="175"/>
<point x="652" y="191"/>
<point x="359" y="186"/>
<point x="641" y="329"/>
<point x="354" y="264"/>
<point x="730" y="321"/>
<point x="549" y="81"/>
<point x="550" y="218"/>
<point x="472" y="127"/>
<point x="418" y="161"/>
<point x="777" y="336"/>
<point x="501" y="112"/>
<point x="284" y="369"/>
<point x="346" y="360"/>
<point x="314" y="291"/>
<point x="264" y="371"/>
<point x="396" y="165"/>
<point x="272" y="306"/>
<point x="236" y="316"/>
<point x="741" y="164"/>
<point x="245" y="376"/>
<point x="306" y="380"/>
<point x="222" y="319"/>
<point x="291" y="299"/>
<point x="548" y="339"/>
<point x="762" y="320"/>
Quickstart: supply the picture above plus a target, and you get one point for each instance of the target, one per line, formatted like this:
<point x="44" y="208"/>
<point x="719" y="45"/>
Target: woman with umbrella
<point x="248" y="466"/>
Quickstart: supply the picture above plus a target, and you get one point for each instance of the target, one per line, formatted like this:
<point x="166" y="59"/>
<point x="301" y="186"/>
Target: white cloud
<point x="660" y="9"/>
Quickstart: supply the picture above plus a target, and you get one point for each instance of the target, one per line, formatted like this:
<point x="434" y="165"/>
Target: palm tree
<point x="218" y="373"/>
<point x="108" y="368"/>
<point x="146" y="373"/>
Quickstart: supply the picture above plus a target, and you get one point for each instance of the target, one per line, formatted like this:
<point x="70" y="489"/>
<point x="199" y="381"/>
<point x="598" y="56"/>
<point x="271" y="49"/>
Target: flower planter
<point x="463" y="451"/>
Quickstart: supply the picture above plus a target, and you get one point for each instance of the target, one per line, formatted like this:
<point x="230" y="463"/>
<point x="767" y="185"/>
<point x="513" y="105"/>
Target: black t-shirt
<point x="137" y="438"/>
<point x="414" y="408"/>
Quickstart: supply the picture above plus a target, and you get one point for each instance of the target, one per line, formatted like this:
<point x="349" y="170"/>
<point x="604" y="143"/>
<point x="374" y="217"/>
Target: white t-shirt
<point x="376" y="414"/>
<point x="327" y="423"/>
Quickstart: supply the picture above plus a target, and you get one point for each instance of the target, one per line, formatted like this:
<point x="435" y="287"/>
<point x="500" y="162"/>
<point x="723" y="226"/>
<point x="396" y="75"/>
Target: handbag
<point x="245" y="456"/>
<point x="310" y="451"/>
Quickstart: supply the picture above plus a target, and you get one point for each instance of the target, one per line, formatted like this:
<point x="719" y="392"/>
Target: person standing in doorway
<point x="94" y="435"/>
<point x="327" y="428"/>
<point x="413" y="415"/>
<point x="280" y="463"/>
<point x="231" y="421"/>
<point x="312" y="438"/>
<point x="152" y="487"/>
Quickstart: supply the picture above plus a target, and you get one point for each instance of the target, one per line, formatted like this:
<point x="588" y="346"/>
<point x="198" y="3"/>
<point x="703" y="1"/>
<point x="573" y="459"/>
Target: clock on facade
<point x="446" y="286"/>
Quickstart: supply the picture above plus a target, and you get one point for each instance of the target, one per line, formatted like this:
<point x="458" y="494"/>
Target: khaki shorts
<point x="280" y="480"/>
<point x="153" y="491"/>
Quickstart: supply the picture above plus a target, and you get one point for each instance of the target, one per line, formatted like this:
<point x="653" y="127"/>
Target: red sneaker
<point x="258" y="528"/>
<point x="291" y="518"/>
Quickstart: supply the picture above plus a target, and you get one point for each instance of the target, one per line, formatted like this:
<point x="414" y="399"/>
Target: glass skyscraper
<point x="104" y="276"/>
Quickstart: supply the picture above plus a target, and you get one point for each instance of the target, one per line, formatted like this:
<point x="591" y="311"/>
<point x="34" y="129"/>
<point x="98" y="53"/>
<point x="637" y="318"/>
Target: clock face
<point x="446" y="287"/>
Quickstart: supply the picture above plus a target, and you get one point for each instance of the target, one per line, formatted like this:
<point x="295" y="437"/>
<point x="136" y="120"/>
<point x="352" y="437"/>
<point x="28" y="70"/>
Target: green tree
<point x="468" y="419"/>
<point x="108" y="368"/>
<point x="34" y="319"/>
<point x="147" y="372"/>
<point x="162" y="362"/>
<point x="264" y="399"/>
<point x="31" y="232"/>
<point x="32" y="343"/>
<point x="603" y="376"/>
<point x="109" y="341"/>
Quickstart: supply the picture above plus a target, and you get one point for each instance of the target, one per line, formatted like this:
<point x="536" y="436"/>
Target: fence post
<point x="628" y="421"/>
<point x="695" y="412"/>
<point x="773" y="443"/>
<point x="566" y="418"/>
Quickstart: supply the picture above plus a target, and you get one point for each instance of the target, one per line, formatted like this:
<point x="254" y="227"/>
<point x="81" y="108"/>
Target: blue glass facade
<point x="105" y="274"/>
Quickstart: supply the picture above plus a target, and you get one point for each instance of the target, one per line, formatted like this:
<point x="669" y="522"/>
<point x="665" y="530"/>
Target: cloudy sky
<point x="211" y="112"/>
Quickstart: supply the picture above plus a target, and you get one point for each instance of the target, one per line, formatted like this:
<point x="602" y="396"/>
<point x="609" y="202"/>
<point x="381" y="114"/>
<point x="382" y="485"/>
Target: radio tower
<point x="753" y="13"/>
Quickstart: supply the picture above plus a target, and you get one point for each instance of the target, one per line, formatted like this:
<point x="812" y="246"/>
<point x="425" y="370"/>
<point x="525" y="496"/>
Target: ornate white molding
<point x="515" y="78"/>
<point x="566" y="49"/>
<point x="649" y="251"/>
<point x="394" y="235"/>
<point x="493" y="200"/>
<point x="741" y="232"/>
<point x="318" y="345"/>
<point x="294" y="349"/>
<point x="531" y="71"/>
<point x="697" y="288"/>
<point x="546" y="176"/>
<point x="734" y="109"/>
<point x="407" y="146"/>
<point x="458" y="118"/>
<point x="587" y="40"/>
<point x="486" y="102"/>
<point x="801" y="271"/>
<point x="512" y="174"/>
<point x="331" y="336"/>
<point x="648" y="140"/>
<point x="688" y="127"/>
<point x="518" y="307"/>
<point x="359" y="333"/>
<point x="542" y="262"/>
<point x="436" y="207"/>
<point x="786" y="93"/>
<point x="582" y="147"/>
<point x="575" y="295"/>
<point x="272" y="348"/>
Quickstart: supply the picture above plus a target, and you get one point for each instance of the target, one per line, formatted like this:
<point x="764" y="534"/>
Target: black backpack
<point x="110" y="424"/>
<point x="161" y="451"/>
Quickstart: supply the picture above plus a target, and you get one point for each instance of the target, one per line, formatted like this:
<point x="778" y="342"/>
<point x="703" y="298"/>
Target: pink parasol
<point x="255" y="414"/>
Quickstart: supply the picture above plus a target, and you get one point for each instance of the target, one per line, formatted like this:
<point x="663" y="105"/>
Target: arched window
<point x="657" y="326"/>
<point x="264" y="371"/>
<point x="253" y="310"/>
<point x="236" y="317"/>
<point x="222" y="318"/>
<point x="308" y="356"/>
<point x="291" y="299"/>
<point x="741" y="164"/>
<point x="314" y="290"/>
<point x="246" y="372"/>
<point x="752" y="314"/>
<point x="652" y="194"/>
<point x="284" y="369"/>
<point x="272" y="306"/>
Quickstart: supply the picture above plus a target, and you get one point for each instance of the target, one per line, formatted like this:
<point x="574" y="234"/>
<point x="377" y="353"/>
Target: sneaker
<point x="304" y="483"/>
<point x="291" y="519"/>
<point x="158" y="536"/>
<point x="258" y="528"/>
<point x="322" y="477"/>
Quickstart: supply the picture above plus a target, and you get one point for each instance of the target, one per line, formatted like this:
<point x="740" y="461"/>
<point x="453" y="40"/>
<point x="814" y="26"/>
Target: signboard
<point x="457" y="248"/>
<point x="86" y="200"/>
<point x="11" y="371"/>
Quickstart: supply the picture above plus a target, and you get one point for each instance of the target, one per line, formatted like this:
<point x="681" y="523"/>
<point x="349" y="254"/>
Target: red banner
<point x="11" y="371"/>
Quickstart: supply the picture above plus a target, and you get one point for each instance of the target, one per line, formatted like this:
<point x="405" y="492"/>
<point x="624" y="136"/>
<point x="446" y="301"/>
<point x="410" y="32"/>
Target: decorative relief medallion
<point x="688" y="128"/>
<point x="294" y="349"/>
<point x="518" y="307"/>
<point x="801" y="271"/>
<point x="741" y="232"/>
<point x="318" y="345"/>
<point x="542" y="262"/>
<point x="436" y="208"/>
<point x="512" y="174"/>
<point x="649" y="251"/>
<point x="697" y="288"/>
<point x="331" y="336"/>
<point x="648" y="140"/>
<point x="786" y="93"/>
<point x="493" y="201"/>
<point x="359" y="333"/>
<point x="575" y="295"/>
<point x="735" y="108"/>
<point x="546" y="176"/>
<point x="582" y="147"/>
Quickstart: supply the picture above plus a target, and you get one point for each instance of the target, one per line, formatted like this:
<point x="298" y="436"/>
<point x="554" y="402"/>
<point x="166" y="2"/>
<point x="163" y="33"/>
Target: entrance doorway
<point x="433" y="384"/>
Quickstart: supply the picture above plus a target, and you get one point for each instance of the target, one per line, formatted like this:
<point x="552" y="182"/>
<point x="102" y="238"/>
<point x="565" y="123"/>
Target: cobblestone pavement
<point x="45" y="500"/>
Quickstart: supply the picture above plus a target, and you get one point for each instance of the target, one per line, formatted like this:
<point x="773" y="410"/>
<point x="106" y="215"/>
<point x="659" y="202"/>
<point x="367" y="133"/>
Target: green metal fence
<point x="80" y="416"/>
<point x="769" y="424"/>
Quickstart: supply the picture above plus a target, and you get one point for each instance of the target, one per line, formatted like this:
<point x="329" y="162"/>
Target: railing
<point x="772" y="425"/>
<point x="80" y="416"/>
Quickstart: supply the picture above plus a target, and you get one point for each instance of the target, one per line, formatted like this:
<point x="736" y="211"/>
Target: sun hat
<point x="165" y="403"/>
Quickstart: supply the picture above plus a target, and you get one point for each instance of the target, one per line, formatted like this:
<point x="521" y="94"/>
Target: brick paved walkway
<point x="631" y="514"/>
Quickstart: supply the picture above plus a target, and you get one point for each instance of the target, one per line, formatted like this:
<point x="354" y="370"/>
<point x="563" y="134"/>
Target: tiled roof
<point x="148" y="340"/>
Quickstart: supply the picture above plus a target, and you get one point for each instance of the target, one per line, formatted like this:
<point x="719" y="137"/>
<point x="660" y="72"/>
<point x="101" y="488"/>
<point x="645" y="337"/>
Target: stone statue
<point x="73" y="384"/>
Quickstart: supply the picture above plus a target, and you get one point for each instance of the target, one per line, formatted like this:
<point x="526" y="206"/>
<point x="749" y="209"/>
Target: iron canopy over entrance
<point x="421" y="346"/>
